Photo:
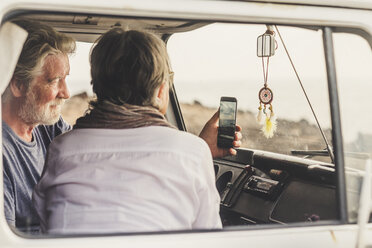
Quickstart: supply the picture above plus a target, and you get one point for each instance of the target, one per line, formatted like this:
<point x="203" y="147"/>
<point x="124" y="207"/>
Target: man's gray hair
<point x="42" y="40"/>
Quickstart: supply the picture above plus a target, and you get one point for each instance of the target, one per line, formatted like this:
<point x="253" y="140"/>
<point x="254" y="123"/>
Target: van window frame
<point x="338" y="149"/>
<point x="177" y="115"/>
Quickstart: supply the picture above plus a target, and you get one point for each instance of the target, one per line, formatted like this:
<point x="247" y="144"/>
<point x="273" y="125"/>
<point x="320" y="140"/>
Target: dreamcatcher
<point x="266" y="49"/>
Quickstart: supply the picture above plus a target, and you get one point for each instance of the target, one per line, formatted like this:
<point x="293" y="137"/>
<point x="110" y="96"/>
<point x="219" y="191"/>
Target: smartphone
<point x="227" y="123"/>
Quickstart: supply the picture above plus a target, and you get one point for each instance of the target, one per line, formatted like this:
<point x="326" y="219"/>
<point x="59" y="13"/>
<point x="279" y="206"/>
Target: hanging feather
<point x="270" y="124"/>
<point x="269" y="128"/>
<point x="259" y="115"/>
<point x="271" y="111"/>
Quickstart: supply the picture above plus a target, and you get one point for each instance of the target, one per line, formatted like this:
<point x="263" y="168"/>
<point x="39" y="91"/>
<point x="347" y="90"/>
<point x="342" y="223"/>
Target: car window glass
<point x="220" y="60"/>
<point x="353" y="66"/>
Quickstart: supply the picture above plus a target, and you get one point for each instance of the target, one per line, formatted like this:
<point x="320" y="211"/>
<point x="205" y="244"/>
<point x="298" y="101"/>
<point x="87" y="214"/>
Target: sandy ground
<point x="290" y="135"/>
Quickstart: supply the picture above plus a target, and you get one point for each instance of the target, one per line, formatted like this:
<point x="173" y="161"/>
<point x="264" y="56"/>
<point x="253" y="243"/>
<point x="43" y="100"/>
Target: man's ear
<point x="16" y="88"/>
<point x="161" y="97"/>
<point x="162" y="90"/>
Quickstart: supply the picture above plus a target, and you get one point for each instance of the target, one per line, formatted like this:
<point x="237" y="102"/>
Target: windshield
<point x="230" y="67"/>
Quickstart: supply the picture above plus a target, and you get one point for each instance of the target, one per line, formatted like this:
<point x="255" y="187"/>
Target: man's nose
<point x="63" y="90"/>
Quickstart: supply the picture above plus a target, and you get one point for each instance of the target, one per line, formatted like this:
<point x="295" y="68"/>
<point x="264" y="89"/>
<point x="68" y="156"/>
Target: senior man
<point x="31" y="107"/>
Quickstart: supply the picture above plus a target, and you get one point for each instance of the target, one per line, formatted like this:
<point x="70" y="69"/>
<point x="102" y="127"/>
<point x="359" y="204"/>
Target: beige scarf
<point x="111" y="116"/>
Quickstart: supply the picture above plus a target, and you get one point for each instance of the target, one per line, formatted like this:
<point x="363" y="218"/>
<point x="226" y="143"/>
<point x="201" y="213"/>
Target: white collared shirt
<point x="127" y="180"/>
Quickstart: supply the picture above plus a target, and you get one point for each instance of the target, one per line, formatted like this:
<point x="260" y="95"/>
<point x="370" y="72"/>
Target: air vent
<point x="90" y="20"/>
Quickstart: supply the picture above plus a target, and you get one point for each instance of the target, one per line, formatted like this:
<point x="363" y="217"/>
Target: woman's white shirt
<point x="127" y="180"/>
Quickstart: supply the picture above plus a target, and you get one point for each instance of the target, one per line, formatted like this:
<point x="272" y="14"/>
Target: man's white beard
<point x="31" y="112"/>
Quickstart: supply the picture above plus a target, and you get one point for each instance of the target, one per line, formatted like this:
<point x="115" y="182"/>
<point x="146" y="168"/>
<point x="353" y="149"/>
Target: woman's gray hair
<point x="128" y="67"/>
<point x="42" y="40"/>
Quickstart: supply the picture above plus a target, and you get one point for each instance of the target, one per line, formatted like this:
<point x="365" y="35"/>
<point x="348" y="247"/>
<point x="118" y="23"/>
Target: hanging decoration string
<point x="265" y="73"/>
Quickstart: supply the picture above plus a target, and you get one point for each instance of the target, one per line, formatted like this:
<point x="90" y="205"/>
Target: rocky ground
<point x="289" y="135"/>
<point x="298" y="135"/>
<point x="75" y="107"/>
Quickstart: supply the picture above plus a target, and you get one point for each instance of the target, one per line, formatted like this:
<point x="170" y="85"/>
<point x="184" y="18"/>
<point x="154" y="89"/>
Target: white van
<point x="306" y="186"/>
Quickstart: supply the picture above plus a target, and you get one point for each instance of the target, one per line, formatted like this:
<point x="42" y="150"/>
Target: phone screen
<point x="227" y="113"/>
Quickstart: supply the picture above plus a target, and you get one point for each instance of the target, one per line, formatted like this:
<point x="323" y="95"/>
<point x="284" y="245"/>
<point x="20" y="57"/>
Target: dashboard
<point x="258" y="187"/>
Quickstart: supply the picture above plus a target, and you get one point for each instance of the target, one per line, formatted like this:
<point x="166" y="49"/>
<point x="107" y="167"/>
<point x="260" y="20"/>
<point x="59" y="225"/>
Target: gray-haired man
<point x="31" y="107"/>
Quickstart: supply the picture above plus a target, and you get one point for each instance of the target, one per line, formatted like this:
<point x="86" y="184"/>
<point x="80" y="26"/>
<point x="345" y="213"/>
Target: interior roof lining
<point x="88" y="27"/>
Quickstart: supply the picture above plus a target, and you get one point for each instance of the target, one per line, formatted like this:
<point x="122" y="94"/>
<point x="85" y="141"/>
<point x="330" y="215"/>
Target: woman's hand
<point x="210" y="133"/>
